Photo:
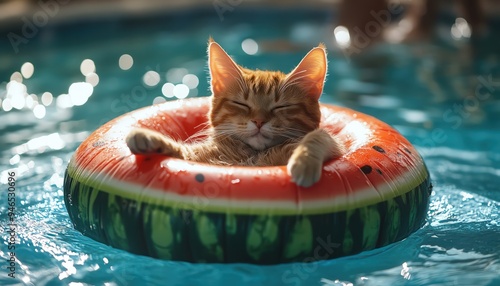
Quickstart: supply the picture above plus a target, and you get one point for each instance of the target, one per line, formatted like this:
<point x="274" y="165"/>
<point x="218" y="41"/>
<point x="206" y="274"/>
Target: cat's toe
<point x="305" y="172"/>
<point x="142" y="142"/>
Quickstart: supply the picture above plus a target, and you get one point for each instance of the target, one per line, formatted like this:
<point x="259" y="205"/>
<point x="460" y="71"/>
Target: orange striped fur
<point x="257" y="118"/>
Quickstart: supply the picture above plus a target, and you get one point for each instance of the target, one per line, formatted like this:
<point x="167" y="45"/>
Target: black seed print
<point x="378" y="171"/>
<point x="367" y="169"/>
<point x="407" y="151"/>
<point x="378" y="149"/>
<point x="199" y="178"/>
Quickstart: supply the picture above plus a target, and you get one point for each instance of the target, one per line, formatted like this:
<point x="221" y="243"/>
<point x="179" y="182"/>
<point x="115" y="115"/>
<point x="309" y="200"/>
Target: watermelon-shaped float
<point x="374" y="195"/>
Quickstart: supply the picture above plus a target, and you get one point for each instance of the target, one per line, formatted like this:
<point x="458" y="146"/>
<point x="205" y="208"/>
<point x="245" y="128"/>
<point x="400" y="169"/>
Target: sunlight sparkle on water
<point x="191" y="81"/>
<point x="175" y="75"/>
<point x="413" y="116"/>
<point x="40" y="144"/>
<point x="27" y="70"/>
<point x="405" y="271"/>
<point x="159" y="99"/>
<point x="6" y="105"/>
<point x="47" y="98"/>
<point x="181" y="91"/>
<point x="250" y="46"/>
<point x="79" y="92"/>
<point x="64" y="101"/>
<point x="15" y="159"/>
<point x="342" y="36"/>
<point x="39" y="111"/>
<point x="328" y="282"/>
<point x="30" y="101"/>
<point x="460" y="29"/>
<point x="125" y="62"/>
<point x="17" y="76"/>
<point x="87" y="66"/>
<point x="151" y="78"/>
<point x="18" y="101"/>
<point x="16" y="92"/>
<point x="168" y="90"/>
<point x="92" y="78"/>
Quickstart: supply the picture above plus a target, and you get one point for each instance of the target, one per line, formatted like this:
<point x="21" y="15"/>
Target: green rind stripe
<point x="202" y="236"/>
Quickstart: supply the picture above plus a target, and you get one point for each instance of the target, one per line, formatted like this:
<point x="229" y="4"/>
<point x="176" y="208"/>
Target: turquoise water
<point x="443" y="96"/>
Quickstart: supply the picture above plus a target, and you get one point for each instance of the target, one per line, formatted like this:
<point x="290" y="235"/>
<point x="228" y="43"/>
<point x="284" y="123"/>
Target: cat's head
<point x="265" y="108"/>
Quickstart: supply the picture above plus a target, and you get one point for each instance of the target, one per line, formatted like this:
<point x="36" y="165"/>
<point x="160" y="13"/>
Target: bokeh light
<point x="16" y="76"/>
<point x="39" y="111"/>
<point x="64" y="101"/>
<point x="79" y="92"/>
<point x="159" y="99"/>
<point x="87" y="66"/>
<point x="460" y="29"/>
<point x="6" y="105"/>
<point x="125" y="62"/>
<point x="27" y="70"/>
<point x="168" y="90"/>
<point x="250" y="46"/>
<point x="175" y="75"/>
<point x="342" y="36"/>
<point x="191" y="81"/>
<point x="151" y="78"/>
<point x="30" y="101"/>
<point x="47" y="98"/>
<point x="181" y="91"/>
<point x="92" y="78"/>
<point x="16" y="92"/>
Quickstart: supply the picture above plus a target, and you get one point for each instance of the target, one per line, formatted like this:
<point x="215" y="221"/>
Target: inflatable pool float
<point x="374" y="195"/>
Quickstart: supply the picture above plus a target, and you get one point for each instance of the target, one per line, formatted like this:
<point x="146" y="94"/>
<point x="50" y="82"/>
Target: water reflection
<point x="191" y="81"/>
<point x="342" y="36"/>
<point x="461" y="29"/>
<point x="92" y="78"/>
<point x="87" y="66"/>
<point x="17" y="97"/>
<point x="39" y="111"/>
<point x="27" y="70"/>
<point x="40" y="144"/>
<point x="250" y="46"/>
<point x="125" y="62"/>
<point x="16" y="76"/>
<point x="79" y="93"/>
<point x="47" y="98"/>
<point x="176" y="74"/>
<point x="151" y="78"/>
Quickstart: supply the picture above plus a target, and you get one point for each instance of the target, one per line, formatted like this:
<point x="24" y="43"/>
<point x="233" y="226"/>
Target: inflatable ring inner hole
<point x="190" y="128"/>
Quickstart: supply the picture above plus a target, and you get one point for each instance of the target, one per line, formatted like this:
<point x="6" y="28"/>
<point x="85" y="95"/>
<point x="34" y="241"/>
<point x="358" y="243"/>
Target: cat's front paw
<point x="304" y="170"/>
<point x="144" y="141"/>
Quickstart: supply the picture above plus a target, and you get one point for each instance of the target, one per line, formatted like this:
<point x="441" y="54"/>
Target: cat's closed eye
<point x="239" y="104"/>
<point x="283" y="107"/>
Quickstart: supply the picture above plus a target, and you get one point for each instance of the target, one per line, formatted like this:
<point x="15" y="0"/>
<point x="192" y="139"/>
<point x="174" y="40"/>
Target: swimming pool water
<point x="443" y="96"/>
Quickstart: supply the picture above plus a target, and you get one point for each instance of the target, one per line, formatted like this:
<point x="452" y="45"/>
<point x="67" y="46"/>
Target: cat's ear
<point x="310" y="74"/>
<point x="224" y="72"/>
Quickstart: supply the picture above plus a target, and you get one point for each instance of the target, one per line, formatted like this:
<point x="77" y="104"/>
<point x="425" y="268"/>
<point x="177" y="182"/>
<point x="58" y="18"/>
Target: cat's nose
<point x="258" y="122"/>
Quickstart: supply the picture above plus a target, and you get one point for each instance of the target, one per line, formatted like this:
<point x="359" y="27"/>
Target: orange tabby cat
<point x="257" y="118"/>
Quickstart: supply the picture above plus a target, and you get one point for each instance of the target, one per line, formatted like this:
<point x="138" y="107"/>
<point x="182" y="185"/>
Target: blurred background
<point x="428" y="68"/>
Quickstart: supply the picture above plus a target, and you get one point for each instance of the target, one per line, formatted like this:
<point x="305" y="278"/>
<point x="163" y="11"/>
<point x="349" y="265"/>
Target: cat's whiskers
<point x="201" y="135"/>
<point x="288" y="132"/>
<point x="224" y="131"/>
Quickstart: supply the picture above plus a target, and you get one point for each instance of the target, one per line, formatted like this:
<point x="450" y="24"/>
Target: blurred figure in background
<point x="362" y="23"/>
